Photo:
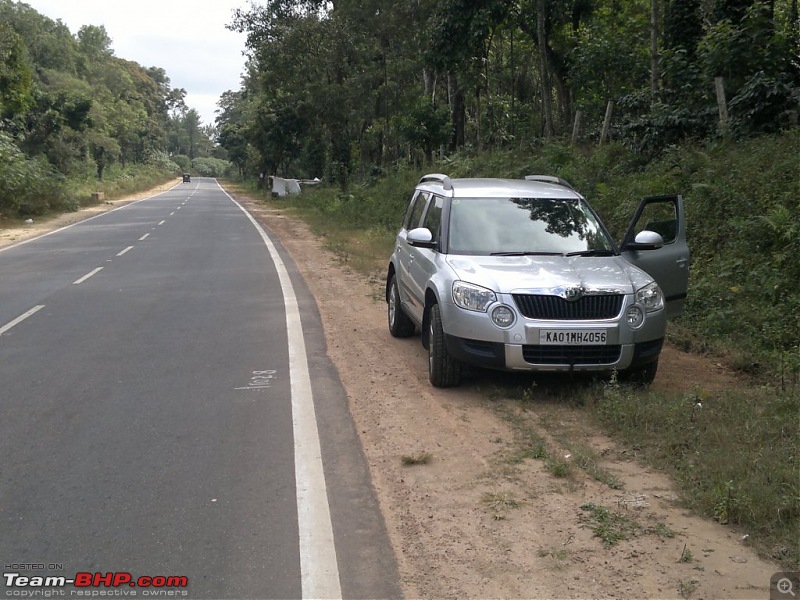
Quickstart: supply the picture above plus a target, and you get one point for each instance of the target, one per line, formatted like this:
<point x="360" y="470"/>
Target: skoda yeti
<point x="522" y="275"/>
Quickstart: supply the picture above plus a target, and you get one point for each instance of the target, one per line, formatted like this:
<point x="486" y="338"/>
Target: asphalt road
<point x="167" y="409"/>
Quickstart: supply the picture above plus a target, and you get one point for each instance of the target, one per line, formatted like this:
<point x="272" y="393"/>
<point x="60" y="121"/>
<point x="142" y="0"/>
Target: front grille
<point x="555" y="308"/>
<point x="571" y="355"/>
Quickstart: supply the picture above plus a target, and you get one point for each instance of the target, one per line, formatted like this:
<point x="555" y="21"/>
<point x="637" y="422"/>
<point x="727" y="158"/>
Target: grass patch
<point x="610" y="526"/>
<point x="558" y="468"/>
<point x="735" y="454"/>
<point x="614" y="526"/>
<point x="499" y="503"/>
<point x="420" y="458"/>
<point x="587" y="461"/>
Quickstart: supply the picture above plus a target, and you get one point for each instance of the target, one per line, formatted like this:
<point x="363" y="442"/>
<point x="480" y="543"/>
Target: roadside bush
<point x="27" y="186"/>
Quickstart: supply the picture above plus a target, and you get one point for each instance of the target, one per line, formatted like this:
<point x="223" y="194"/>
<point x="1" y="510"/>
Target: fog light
<point x="635" y="317"/>
<point x="503" y="316"/>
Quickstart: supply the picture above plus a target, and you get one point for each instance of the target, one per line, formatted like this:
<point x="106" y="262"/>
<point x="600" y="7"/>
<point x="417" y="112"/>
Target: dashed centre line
<point x="85" y="277"/>
<point x="20" y="318"/>
<point x="144" y="237"/>
<point x="125" y="251"/>
<point x="162" y="222"/>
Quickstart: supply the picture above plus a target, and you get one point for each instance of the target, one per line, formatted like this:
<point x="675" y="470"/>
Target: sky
<point x="186" y="38"/>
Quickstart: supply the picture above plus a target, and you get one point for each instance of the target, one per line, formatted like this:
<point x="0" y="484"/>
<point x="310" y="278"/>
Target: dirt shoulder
<point x="475" y="520"/>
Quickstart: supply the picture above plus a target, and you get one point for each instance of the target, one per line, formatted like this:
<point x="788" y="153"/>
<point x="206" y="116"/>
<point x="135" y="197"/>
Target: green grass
<point x="613" y="526"/>
<point x="735" y="458"/>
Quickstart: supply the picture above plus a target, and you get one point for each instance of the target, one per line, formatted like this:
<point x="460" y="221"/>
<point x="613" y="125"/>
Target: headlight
<point x="650" y="297"/>
<point x="503" y="316"/>
<point x="472" y="297"/>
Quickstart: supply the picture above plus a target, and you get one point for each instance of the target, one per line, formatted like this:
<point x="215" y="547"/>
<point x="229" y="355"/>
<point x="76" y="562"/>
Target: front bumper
<point x="472" y="338"/>
<point x="516" y="357"/>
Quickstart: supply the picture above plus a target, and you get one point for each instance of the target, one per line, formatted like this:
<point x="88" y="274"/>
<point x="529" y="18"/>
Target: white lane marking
<point x="85" y="277"/>
<point x="144" y="237"/>
<point x="319" y="571"/>
<point x="128" y="249"/>
<point x="38" y="237"/>
<point x="162" y="222"/>
<point x="20" y="318"/>
<point x="172" y="213"/>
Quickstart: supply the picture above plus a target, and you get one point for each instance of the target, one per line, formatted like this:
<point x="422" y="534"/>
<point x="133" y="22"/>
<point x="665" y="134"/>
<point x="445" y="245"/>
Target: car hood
<point x="549" y="274"/>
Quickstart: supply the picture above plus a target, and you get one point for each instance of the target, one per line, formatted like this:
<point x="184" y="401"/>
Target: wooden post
<point x="576" y="128"/>
<point x="607" y="122"/>
<point x="719" y="85"/>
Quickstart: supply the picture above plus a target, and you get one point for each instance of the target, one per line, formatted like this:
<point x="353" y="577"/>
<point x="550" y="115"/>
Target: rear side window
<point x="415" y="210"/>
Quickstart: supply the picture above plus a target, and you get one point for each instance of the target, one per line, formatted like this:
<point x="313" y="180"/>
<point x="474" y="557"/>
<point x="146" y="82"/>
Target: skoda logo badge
<point x="573" y="293"/>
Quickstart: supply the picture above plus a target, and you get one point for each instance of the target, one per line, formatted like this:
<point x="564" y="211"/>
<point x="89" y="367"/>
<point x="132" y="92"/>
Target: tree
<point x="16" y="75"/>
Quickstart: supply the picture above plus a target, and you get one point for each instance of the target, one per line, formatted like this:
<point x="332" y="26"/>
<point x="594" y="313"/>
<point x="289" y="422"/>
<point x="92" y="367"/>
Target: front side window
<point x="433" y="218"/>
<point x="525" y="226"/>
<point x="415" y="210"/>
<point x="661" y="217"/>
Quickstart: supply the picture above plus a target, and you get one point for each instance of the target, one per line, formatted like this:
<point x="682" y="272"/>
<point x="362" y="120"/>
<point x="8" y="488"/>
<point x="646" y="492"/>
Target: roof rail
<point x="444" y="179"/>
<point x="549" y="179"/>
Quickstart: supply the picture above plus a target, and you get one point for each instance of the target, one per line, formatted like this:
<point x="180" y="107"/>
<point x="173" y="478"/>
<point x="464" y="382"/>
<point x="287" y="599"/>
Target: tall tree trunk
<point x="654" y="67"/>
<point x="458" y="113"/>
<point x="547" y="104"/>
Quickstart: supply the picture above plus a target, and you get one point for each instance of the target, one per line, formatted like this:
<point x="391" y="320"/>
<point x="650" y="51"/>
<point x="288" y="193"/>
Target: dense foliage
<point x="72" y="113"/>
<point x="343" y="88"/>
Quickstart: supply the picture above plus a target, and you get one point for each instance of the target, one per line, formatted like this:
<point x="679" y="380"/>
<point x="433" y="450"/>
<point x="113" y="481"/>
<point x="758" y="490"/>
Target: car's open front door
<point x="668" y="264"/>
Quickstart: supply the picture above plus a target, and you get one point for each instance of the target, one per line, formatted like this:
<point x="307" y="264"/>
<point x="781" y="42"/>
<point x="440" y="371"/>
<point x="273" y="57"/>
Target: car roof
<point x="489" y="187"/>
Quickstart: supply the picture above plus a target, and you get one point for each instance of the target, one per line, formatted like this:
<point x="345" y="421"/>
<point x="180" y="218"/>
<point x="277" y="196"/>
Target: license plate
<point x="572" y="337"/>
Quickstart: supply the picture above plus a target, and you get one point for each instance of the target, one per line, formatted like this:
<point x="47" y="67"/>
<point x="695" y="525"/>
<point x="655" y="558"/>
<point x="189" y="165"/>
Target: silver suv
<point x="522" y="275"/>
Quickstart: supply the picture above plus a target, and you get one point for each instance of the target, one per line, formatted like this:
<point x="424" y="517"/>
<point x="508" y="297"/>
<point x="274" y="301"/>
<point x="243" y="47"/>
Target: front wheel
<point x="443" y="369"/>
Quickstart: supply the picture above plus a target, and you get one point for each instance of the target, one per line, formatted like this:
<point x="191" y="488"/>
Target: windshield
<point x="513" y="226"/>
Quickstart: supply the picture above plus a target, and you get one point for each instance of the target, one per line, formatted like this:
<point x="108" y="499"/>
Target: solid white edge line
<point x="85" y="277"/>
<point x="319" y="570"/>
<point x="38" y="237"/>
<point x="20" y="318"/>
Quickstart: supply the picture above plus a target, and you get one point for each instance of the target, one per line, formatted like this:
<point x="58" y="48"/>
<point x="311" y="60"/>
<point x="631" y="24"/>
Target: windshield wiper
<point x="591" y="253"/>
<point x="525" y="253"/>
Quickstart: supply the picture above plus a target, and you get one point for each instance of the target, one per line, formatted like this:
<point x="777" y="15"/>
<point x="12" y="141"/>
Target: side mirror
<point x="646" y="240"/>
<point x="421" y="237"/>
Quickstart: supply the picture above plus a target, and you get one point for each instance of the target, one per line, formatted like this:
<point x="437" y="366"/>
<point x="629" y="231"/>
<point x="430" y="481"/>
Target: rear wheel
<point x="443" y="369"/>
<point x="400" y="325"/>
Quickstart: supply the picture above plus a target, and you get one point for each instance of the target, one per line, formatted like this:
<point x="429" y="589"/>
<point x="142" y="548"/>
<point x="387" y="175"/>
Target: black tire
<point x="641" y="375"/>
<point x="443" y="369"/>
<point x="400" y="326"/>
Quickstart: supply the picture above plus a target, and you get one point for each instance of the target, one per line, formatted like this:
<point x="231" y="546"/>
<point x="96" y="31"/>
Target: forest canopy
<point x="344" y="87"/>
